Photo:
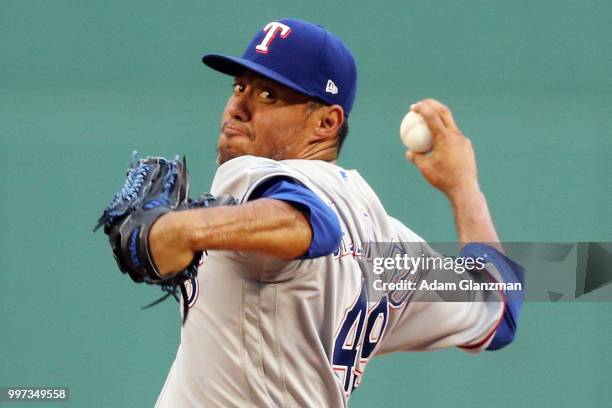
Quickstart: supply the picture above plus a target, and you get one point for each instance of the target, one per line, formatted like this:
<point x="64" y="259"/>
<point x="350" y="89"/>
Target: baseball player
<point x="281" y="313"/>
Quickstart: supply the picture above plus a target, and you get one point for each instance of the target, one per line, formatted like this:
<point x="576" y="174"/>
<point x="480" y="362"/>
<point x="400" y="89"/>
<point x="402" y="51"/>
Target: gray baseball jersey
<point x="264" y="332"/>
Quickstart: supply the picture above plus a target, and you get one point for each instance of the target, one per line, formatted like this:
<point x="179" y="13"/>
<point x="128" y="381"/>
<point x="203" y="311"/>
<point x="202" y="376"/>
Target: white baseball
<point x="415" y="134"/>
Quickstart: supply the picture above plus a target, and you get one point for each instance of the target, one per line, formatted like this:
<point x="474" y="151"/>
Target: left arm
<point x="266" y="225"/>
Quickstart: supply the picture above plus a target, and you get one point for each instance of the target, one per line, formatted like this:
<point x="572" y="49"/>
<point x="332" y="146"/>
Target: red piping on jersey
<point x="489" y="335"/>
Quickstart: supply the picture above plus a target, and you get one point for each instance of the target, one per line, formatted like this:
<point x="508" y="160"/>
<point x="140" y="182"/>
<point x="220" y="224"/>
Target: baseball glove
<point x="154" y="186"/>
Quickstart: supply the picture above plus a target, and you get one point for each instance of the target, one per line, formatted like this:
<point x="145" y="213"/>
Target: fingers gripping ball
<point x="415" y="134"/>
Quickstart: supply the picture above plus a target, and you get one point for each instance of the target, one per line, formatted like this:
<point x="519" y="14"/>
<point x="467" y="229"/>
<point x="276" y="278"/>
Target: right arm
<point x="451" y="168"/>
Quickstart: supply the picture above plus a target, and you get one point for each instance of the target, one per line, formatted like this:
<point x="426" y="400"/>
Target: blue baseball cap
<point x="303" y="56"/>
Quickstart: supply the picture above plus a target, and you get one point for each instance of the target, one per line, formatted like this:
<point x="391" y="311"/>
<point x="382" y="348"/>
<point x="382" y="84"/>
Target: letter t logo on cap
<point x="272" y="29"/>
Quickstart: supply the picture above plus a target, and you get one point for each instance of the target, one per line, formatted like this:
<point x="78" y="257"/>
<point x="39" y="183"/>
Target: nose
<point x="238" y="107"/>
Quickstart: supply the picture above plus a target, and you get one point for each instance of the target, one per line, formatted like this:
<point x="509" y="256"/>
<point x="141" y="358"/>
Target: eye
<point x="238" y="87"/>
<point x="267" y="95"/>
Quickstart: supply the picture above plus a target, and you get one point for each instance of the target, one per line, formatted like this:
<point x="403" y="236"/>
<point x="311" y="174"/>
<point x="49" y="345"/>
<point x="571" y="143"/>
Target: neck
<point x="326" y="151"/>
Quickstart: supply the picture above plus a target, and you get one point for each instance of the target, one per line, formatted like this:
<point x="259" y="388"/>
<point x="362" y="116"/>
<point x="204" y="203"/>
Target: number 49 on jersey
<point x="360" y="331"/>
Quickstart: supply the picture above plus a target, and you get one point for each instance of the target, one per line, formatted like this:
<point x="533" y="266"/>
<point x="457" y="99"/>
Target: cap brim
<point x="236" y="66"/>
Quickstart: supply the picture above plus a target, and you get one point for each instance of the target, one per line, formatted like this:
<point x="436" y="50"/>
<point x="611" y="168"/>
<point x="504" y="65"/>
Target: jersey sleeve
<point x="507" y="271"/>
<point x="249" y="177"/>
<point x="241" y="176"/>
<point x="473" y="320"/>
<point x="326" y="232"/>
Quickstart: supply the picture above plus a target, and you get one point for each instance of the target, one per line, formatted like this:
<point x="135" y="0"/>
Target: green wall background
<point x="82" y="84"/>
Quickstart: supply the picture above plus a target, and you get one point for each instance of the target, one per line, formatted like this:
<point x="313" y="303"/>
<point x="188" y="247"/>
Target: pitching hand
<point x="451" y="165"/>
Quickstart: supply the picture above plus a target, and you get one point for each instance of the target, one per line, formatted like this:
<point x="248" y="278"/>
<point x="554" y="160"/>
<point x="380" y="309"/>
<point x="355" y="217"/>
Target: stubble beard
<point x="278" y="153"/>
<point x="224" y="155"/>
<point x="281" y="153"/>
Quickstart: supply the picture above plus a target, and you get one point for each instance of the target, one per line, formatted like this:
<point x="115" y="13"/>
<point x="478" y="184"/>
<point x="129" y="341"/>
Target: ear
<point x="329" y="120"/>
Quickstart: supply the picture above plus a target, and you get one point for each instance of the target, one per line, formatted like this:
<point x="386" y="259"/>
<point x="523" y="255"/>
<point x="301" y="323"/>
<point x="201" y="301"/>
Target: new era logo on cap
<point x="300" y="55"/>
<point x="331" y="87"/>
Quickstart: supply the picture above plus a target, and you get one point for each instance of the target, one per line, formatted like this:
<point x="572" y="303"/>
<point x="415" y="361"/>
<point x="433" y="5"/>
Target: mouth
<point x="232" y="131"/>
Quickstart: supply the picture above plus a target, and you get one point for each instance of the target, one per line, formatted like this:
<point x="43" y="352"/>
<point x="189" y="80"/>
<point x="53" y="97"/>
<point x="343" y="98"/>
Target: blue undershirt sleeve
<point x="326" y="231"/>
<point x="510" y="272"/>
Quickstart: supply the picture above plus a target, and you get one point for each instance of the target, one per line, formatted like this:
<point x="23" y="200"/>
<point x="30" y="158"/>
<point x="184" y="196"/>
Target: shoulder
<point x="404" y="234"/>
<point x="313" y="167"/>
<point x="240" y="176"/>
<point x="250" y="163"/>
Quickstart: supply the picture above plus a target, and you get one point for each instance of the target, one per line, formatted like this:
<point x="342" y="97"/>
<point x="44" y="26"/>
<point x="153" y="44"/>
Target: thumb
<point x="416" y="158"/>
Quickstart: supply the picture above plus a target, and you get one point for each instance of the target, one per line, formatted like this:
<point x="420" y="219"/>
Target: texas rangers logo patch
<point x="272" y="30"/>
